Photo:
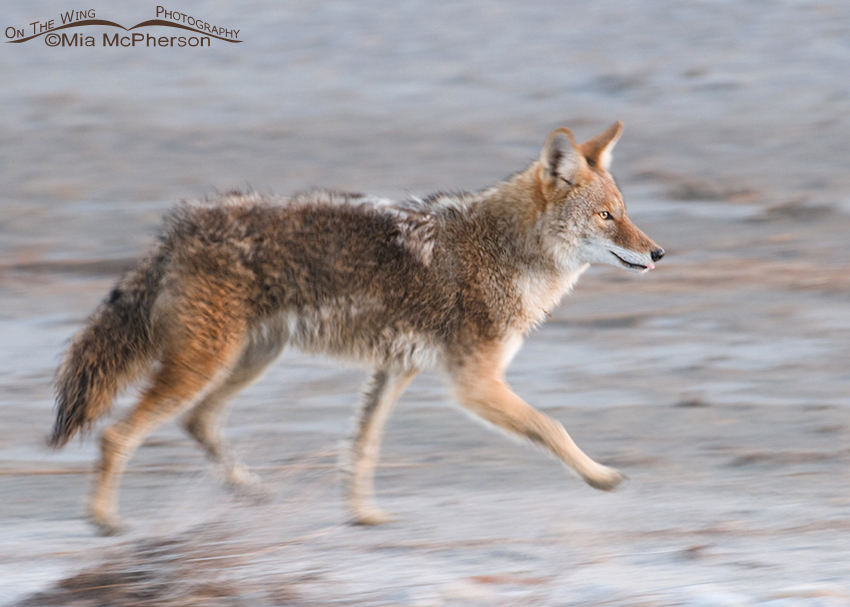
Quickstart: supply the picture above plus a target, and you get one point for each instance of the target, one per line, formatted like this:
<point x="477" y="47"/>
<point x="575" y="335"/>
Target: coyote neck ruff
<point x="450" y="281"/>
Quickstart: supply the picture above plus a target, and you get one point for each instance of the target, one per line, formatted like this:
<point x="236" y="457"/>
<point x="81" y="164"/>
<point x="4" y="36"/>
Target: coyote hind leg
<point x="383" y="390"/>
<point x="204" y="422"/>
<point x="194" y="365"/>
<point x="492" y="399"/>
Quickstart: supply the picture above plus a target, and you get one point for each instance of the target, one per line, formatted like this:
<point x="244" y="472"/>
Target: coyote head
<point x="588" y="220"/>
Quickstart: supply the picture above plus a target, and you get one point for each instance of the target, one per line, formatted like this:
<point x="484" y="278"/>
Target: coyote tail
<point x="113" y="349"/>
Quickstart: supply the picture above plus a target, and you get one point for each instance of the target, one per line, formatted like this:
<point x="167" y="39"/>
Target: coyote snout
<point x="451" y="282"/>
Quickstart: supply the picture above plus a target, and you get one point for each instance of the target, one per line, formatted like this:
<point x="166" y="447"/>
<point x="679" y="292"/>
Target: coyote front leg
<point x="485" y="393"/>
<point x="381" y="393"/>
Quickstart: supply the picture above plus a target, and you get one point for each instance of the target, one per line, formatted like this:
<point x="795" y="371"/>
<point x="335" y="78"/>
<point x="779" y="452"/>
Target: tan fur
<point x="450" y="282"/>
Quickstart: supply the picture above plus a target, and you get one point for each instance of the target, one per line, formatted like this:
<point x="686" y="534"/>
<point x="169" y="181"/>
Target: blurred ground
<point x="718" y="383"/>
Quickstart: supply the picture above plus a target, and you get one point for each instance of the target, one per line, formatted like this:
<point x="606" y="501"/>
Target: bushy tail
<point x="114" y="348"/>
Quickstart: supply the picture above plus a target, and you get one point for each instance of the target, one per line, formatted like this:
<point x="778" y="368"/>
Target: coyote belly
<point x="451" y="282"/>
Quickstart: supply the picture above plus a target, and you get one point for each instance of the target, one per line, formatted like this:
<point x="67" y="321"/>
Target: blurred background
<point x="718" y="383"/>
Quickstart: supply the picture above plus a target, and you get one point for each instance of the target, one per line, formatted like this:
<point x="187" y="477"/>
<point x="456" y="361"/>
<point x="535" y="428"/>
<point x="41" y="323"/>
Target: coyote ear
<point x="597" y="151"/>
<point x="561" y="157"/>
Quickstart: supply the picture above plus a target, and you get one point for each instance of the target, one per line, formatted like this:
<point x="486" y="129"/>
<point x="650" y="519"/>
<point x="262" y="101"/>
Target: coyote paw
<point x="250" y="487"/>
<point x="240" y="476"/>
<point x="243" y="483"/>
<point x="604" y="478"/>
<point x="108" y="525"/>
<point x="371" y="516"/>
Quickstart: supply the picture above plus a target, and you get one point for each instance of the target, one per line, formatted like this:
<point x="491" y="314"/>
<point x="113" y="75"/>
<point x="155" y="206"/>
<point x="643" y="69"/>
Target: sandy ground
<point x="718" y="383"/>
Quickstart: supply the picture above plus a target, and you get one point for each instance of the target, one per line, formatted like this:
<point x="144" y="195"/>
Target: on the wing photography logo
<point x="50" y="32"/>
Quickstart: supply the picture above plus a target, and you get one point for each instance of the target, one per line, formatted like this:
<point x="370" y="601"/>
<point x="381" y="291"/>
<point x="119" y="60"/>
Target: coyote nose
<point x="657" y="254"/>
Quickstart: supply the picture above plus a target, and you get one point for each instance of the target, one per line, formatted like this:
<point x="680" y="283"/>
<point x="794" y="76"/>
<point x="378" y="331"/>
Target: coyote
<point x="451" y="282"/>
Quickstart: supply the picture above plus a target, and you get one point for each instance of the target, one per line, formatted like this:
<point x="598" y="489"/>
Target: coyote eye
<point x="605" y="215"/>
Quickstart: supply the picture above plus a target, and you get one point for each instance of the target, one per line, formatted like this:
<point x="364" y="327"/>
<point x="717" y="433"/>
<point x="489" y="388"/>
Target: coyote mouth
<point x="630" y="265"/>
